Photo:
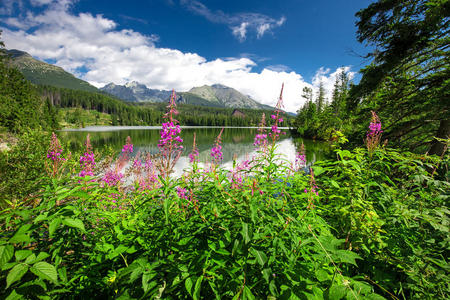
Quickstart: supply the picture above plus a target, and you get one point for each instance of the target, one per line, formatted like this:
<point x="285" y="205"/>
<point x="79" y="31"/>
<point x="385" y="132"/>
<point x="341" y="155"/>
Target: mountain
<point x="225" y="96"/>
<point x="42" y="73"/>
<point x="216" y="95"/>
<point x="136" y="92"/>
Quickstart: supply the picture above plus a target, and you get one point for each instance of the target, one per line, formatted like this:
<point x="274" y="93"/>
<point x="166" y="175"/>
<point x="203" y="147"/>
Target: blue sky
<point x="252" y="46"/>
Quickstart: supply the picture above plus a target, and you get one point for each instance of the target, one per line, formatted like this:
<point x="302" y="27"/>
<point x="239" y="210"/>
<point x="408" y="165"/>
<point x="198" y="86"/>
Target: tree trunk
<point x="443" y="132"/>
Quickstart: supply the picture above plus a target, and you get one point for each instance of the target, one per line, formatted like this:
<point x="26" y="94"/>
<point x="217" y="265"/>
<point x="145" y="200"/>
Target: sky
<point x="253" y="46"/>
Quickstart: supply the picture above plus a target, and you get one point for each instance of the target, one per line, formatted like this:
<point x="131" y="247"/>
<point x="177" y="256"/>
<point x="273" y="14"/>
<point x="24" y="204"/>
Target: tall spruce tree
<point x="320" y="101"/>
<point x="340" y="94"/>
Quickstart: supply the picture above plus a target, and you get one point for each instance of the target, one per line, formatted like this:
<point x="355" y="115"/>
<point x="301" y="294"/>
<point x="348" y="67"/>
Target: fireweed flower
<point x="261" y="137"/>
<point x="216" y="151"/>
<point x="275" y="134"/>
<point x="170" y="147"/>
<point x="193" y="156"/>
<point x="150" y="180"/>
<point x="373" y="136"/>
<point x="182" y="193"/>
<point x="54" y="153"/>
<point x="55" y="150"/>
<point x="128" y="147"/>
<point x="237" y="176"/>
<point x="87" y="160"/>
<point x="300" y="158"/>
<point x="112" y="177"/>
<point x="313" y="188"/>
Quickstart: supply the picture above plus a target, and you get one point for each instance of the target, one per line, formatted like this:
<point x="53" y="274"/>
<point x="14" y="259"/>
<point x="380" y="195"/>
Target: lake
<point x="236" y="142"/>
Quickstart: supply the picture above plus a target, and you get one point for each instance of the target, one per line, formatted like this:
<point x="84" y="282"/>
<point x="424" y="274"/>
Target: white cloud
<point x="239" y="23"/>
<point x="261" y="29"/>
<point x="328" y="79"/>
<point x="40" y="2"/>
<point x="94" y="43"/>
<point x="240" y="31"/>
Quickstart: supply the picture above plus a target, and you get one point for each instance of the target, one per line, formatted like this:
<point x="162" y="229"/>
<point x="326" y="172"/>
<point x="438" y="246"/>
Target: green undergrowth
<point x="378" y="229"/>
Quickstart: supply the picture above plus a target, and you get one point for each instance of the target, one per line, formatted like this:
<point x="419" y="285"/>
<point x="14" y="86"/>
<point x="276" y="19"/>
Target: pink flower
<point x="261" y="136"/>
<point x="87" y="160"/>
<point x="55" y="150"/>
<point x="300" y="158"/>
<point x="373" y="136"/>
<point x="216" y="151"/>
<point x="275" y="131"/>
<point x="182" y="193"/>
<point x="112" y="178"/>
<point x="170" y="143"/>
<point x="193" y="156"/>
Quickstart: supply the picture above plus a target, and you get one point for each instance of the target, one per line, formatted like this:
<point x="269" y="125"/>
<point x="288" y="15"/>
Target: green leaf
<point x="347" y="256"/>
<point x="335" y="184"/>
<point x="198" y="286"/>
<point x="20" y="238"/>
<point x="362" y="287"/>
<point x="261" y="258"/>
<point x="145" y="281"/>
<point x="62" y="273"/>
<point x="22" y="254"/>
<point x="16" y="274"/>
<point x="45" y="271"/>
<point x="267" y="272"/>
<point x="374" y="297"/>
<point x="41" y="256"/>
<point x="337" y="292"/>
<point x="184" y="241"/>
<point x="75" y="223"/>
<point x="30" y="259"/>
<point x="245" y="233"/>
<point x="322" y="275"/>
<point x="247" y="293"/>
<point x="54" y="224"/>
<point x="235" y="247"/>
<point x="41" y="217"/>
<point x="188" y="283"/>
<point x="14" y="296"/>
<point x="6" y="252"/>
<point x="318" y="170"/>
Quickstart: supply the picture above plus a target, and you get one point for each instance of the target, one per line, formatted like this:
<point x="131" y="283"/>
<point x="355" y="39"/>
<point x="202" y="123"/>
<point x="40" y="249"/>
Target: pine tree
<point x="321" y="100"/>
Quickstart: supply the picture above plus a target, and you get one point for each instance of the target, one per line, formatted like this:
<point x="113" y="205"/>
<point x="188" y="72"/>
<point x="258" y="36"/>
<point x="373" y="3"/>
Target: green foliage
<point x="407" y="83"/>
<point x="263" y="239"/>
<point x="21" y="167"/>
<point x="319" y="119"/>
<point x="77" y="117"/>
<point x="20" y="106"/>
<point x="394" y="215"/>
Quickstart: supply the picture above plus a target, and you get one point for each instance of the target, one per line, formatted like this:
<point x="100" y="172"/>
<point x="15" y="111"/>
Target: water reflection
<point x="236" y="142"/>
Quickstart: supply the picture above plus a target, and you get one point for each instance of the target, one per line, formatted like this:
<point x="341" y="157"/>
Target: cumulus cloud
<point x="328" y="79"/>
<point x="240" y="23"/>
<point x="91" y="47"/>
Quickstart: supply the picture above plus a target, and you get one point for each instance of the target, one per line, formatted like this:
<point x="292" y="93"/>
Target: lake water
<point x="236" y="142"/>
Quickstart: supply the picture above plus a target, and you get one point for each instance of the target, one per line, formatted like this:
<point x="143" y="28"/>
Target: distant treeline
<point x="123" y="113"/>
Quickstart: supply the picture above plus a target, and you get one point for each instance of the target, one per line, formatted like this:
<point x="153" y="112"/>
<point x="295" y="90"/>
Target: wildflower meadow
<point x="371" y="224"/>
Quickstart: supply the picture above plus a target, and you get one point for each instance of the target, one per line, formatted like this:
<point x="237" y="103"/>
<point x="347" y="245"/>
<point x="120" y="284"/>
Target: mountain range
<point x="216" y="95"/>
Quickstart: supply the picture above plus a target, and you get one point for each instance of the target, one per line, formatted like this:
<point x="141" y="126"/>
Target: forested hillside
<point x="150" y="113"/>
<point x="20" y="105"/>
